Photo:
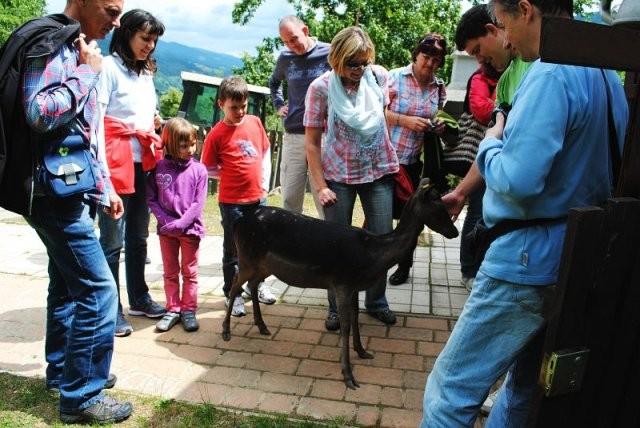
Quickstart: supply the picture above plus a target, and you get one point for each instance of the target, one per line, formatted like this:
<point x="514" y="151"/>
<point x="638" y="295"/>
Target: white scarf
<point x="366" y="115"/>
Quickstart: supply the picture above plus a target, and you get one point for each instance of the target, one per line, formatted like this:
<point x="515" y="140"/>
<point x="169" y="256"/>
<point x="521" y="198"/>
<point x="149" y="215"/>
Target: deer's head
<point x="427" y="205"/>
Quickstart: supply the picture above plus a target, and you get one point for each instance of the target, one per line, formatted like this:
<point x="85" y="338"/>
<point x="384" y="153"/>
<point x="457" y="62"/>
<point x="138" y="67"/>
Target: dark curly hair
<point x="130" y="23"/>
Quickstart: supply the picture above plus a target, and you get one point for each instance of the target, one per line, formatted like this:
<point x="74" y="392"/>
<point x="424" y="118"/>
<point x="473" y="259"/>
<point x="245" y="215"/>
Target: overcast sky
<point x="207" y="23"/>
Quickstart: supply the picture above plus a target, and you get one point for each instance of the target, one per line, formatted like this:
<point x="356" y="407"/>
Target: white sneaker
<point x="238" y="306"/>
<point x="264" y="294"/>
<point x="467" y="282"/>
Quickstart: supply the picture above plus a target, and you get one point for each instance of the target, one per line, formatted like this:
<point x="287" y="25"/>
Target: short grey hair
<point x="546" y="7"/>
<point x="291" y="19"/>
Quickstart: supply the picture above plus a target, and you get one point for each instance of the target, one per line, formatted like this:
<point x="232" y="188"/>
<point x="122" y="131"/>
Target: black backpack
<point x="38" y="37"/>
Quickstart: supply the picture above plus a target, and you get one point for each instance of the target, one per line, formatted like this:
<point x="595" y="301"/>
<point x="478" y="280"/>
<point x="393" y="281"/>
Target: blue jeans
<point x="468" y="266"/>
<point x="81" y="304"/>
<point x="132" y="231"/>
<point x="230" y="214"/>
<point x="500" y="329"/>
<point x="377" y="204"/>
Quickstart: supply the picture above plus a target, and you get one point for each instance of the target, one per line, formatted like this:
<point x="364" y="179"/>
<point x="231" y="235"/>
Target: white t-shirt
<point x="128" y="97"/>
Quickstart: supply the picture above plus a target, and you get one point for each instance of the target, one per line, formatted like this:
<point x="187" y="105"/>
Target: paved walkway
<point x="294" y="371"/>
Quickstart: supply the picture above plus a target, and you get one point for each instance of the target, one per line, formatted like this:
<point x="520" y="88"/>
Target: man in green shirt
<point x="478" y="35"/>
<point x="510" y="80"/>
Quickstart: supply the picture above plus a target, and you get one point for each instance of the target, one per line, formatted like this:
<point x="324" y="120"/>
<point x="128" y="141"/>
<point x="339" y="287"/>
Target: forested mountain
<point x="172" y="58"/>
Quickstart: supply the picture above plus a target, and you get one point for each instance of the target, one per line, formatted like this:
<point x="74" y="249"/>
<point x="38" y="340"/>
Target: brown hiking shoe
<point x="106" y="411"/>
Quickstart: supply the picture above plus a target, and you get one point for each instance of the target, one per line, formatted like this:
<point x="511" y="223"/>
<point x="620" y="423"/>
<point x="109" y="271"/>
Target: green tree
<point x="14" y="13"/>
<point x="579" y="6"/>
<point x="395" y="26"/>
<point x="170" y="102"/>
<point x="256" y="71"/>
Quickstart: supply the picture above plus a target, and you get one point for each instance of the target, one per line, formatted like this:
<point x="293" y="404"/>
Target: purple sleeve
<point x="199" y="197"/>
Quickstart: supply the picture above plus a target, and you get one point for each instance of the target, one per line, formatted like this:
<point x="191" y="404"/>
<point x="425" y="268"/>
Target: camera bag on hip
<point x="481" y="236"/>
<point x="66" y="166"/>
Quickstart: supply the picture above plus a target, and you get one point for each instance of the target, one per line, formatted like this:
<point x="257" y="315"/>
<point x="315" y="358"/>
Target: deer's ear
<point x="425" y="183"/>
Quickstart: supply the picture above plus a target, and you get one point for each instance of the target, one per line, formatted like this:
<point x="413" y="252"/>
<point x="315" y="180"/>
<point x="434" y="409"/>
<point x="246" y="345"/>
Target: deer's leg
<point x="238" y="280"/>
<point x="257" y="314"/>
<point x="357" y="342"/>
<point x="343" y="301"/>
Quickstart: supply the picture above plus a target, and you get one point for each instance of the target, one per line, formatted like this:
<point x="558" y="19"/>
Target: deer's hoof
<point x="365" y="355"/>
<point x="351" y="383"/>
<point x="226" y="336"/>
<point x="264" y="330"/>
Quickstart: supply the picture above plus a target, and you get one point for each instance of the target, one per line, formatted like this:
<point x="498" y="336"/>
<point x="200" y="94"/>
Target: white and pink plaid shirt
<point x="343" y="160"/>
<point x="406" y="97"/>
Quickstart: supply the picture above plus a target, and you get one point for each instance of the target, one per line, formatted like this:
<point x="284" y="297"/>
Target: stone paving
<point x="294" y="371"/>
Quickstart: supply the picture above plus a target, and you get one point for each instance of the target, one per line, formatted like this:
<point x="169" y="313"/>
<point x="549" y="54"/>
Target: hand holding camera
<point x="437" y="126"/>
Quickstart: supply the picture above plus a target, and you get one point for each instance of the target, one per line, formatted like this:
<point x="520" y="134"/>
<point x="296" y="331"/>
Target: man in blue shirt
<point x="552" y="155"/>
<point x="304" y="59"/>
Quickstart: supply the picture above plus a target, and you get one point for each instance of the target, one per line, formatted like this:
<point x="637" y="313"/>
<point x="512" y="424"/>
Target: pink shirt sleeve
<point x="315" y="104"/>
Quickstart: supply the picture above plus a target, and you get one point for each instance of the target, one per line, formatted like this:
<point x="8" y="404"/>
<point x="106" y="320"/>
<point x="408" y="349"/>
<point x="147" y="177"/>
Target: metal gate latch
<point x="562" y="371"/>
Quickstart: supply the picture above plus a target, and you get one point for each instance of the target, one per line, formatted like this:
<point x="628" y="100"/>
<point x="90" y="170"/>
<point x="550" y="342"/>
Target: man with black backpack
<point x="52" y="65"/>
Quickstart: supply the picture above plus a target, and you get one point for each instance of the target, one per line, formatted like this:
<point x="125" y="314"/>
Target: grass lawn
<point x="27" y="403"/>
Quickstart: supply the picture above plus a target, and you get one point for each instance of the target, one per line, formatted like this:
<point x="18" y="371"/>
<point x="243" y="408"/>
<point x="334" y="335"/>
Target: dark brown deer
<point x="310" y="253"/>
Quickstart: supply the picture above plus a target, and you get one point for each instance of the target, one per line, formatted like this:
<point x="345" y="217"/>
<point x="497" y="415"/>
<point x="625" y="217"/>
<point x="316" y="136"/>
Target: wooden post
<point x="629" y="183"/>
<point x="577" y="270"/>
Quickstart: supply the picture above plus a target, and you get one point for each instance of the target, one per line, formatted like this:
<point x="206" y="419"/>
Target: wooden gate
<point x="598" y="309"/>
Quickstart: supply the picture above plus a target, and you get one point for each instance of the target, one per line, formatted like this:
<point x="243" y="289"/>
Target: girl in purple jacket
<point x="176" y="192"/>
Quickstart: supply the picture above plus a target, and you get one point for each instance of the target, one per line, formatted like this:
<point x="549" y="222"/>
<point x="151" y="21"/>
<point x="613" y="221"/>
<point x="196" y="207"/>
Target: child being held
<point x="176" y="193"/>
<point x="237" y="150"/>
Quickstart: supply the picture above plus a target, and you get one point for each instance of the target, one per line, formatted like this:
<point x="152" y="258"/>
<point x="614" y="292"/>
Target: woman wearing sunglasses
<point x="416" y="95"/>
<point x="355" y="156"/>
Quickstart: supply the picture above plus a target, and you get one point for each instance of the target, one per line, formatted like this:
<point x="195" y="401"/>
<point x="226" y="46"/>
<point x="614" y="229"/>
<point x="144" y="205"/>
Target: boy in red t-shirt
<point x="237" y="152"/>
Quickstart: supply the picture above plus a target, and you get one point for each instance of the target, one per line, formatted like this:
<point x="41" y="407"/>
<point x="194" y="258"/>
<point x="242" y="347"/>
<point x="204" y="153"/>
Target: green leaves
<point x="170" y="102"/>
<point x="395" y="26"/>
<point x="14" y="13"/>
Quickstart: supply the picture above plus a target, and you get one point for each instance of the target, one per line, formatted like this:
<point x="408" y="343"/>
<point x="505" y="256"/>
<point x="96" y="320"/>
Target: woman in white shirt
<point x="128" y="101"/>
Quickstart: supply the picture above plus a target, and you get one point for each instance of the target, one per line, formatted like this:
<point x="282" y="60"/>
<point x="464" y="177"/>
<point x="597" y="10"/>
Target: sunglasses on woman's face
<point x="355" y="65"/>
<point x="433" y="41"/>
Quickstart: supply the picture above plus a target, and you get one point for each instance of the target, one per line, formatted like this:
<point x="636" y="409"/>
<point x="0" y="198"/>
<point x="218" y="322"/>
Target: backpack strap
<point x="510" y="225"/>
<point x="613" y="135"/>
